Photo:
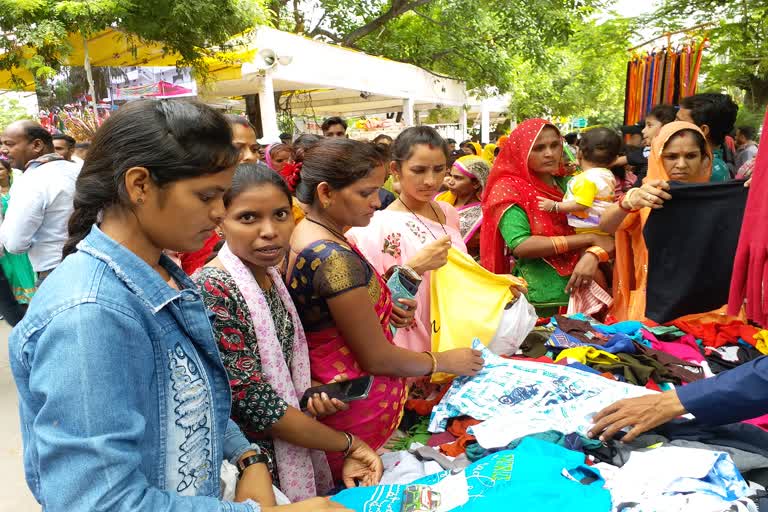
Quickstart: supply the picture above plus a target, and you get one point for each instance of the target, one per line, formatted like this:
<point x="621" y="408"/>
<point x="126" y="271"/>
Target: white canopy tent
<point x="327" y="80"/>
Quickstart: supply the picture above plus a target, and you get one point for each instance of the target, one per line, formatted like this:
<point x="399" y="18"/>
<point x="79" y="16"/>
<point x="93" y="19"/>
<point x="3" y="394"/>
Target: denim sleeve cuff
<point x="244" y="506"/>
<point x="249" y="448"/>
<point x="235" y="443"/>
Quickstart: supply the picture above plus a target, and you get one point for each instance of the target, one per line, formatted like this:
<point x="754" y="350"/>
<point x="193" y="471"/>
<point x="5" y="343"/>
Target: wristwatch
<point x="259" y="458"/>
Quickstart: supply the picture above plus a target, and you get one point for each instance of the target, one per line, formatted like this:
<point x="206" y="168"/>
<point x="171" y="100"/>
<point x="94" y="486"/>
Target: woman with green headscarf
<point x="466" y="180"/>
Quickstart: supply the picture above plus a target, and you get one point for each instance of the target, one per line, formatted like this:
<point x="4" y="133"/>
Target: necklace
<point x="330" y="229"/>
<point x="422" y="222"/>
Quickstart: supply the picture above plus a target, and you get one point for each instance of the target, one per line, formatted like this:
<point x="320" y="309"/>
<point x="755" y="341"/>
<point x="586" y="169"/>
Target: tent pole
<point x="89" y="76"/>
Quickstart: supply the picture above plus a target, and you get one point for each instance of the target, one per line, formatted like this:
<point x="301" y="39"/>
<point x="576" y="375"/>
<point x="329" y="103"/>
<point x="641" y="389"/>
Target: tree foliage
<point x="585" y="77"/>
<point x="36" y="31"/>
<point x="738" y="55"/>
<point x="474" y="40"/>
<point x="11" y="110"/>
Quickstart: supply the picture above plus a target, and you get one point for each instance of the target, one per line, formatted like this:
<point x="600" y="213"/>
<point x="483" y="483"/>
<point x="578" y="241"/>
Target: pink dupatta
<point x="303" y="473"/>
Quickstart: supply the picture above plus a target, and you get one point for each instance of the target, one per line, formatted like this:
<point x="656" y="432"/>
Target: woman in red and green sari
<point x="344" y="304"/>
<point x="519" y="238"/>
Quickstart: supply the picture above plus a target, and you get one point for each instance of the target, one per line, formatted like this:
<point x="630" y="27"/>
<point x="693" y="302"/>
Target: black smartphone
<point x="347" y="391"/>
<point x="409" y="279"/>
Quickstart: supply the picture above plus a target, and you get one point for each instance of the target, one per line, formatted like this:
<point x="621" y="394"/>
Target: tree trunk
<point x="253" y="112"/>
<point x="89" y="75"/>
<point x="757" y="94"/>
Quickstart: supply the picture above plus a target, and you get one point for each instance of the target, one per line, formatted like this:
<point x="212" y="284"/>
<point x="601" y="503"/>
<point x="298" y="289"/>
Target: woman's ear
<point x="138" y="183"/>
<point x="324" y="194"/>
<point x="394" y="168"/>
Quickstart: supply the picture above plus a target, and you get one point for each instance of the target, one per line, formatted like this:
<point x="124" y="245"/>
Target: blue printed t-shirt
<point x="537" y="475"/>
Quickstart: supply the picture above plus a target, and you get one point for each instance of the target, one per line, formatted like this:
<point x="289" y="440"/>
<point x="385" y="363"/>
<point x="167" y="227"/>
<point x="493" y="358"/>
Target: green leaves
<point x="193" y="29"/>
<point x="737" y="60"/>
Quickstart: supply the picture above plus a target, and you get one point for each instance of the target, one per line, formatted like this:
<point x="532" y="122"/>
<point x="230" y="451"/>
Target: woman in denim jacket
<point x="124" y="400"/>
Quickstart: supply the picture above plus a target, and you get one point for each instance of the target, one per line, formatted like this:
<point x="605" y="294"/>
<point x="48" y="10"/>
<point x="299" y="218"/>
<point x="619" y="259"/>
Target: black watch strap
<point x="259" y="458"/>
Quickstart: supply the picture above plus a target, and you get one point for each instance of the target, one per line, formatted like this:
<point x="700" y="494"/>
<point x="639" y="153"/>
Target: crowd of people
<point x="191" y="281"/>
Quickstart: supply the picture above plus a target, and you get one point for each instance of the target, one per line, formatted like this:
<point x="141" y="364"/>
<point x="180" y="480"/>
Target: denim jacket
<point x="124" y="401"/>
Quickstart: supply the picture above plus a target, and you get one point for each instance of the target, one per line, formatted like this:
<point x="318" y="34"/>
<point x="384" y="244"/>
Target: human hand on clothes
<point x="748" y="182"/>
<point x="583" y="273"/>
<point x="651" y="195"/>
<point x="402" y="317"/>
<point x="641" y="414"/>
<point x="310" y="505"/>
<point x="362" y="464"/>
<point x="460" y="361"/>
<point x="321" y="405"/>
<point x="546" y="205"/>
<point x="432" y="256"/>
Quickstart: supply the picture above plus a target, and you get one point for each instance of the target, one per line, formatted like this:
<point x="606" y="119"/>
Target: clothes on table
<point x="614" y="344"/>
<point x="639" y="368"/>
<point x="761" y="341"/>
<point x="725" y="358"/>
<point x="684" y="348"/>
<point x="403" y="467"/>
<point x="458" y="428"/>
<point x="736" y="435"/>
<point x="710" y="215"/>
<point x="714" y="334"/>
<point x="535" y="475"/>
<point x="672" y="478"/>
<point x="572" y="441"/>
<point x="505" y="385"/>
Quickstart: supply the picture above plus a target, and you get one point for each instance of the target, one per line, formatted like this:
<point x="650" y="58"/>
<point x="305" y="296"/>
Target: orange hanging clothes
<point x="630" y="271"/>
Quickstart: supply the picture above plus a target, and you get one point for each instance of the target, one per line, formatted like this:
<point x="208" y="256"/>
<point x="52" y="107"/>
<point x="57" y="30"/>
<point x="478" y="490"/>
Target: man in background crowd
<point x="715" y="114"/>
<point x="334" y="127"/>
<point x="38" y="214"/>
<point x="746" y="147"/>
<point x="64" y="146"/>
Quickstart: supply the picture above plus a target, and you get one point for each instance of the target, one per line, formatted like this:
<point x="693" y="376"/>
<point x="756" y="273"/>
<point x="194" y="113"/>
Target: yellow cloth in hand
<point x="466" y="302"/>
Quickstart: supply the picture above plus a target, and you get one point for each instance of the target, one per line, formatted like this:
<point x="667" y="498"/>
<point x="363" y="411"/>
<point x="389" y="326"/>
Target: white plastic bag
<point x="517" y="322"/>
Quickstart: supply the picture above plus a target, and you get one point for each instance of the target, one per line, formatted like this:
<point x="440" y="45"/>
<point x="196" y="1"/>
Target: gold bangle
<point x="560" y="244"/>
<point x="434" y="363"/>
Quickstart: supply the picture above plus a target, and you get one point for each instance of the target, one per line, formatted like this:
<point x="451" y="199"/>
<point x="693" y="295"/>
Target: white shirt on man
<point x="38" y="213"/>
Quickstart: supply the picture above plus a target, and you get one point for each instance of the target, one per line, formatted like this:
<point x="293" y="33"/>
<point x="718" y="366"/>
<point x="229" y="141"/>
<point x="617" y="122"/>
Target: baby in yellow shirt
<point x="592" y="191"/>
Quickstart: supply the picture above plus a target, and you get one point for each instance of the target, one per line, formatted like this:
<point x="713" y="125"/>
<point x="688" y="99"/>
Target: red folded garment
<point x="717" y="335"/>
<point x="458" y="427"/>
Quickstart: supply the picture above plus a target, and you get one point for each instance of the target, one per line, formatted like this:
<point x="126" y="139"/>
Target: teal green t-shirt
<point x="720" y="172"/>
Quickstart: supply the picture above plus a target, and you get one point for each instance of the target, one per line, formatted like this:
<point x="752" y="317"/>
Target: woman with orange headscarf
<point x="678" y="153"/>
<point x="549" y="255"/>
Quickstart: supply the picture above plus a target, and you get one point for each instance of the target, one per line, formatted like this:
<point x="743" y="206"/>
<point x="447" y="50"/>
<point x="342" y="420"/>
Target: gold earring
<point x="326" y="205"/>
<point x="140" y="200"/>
